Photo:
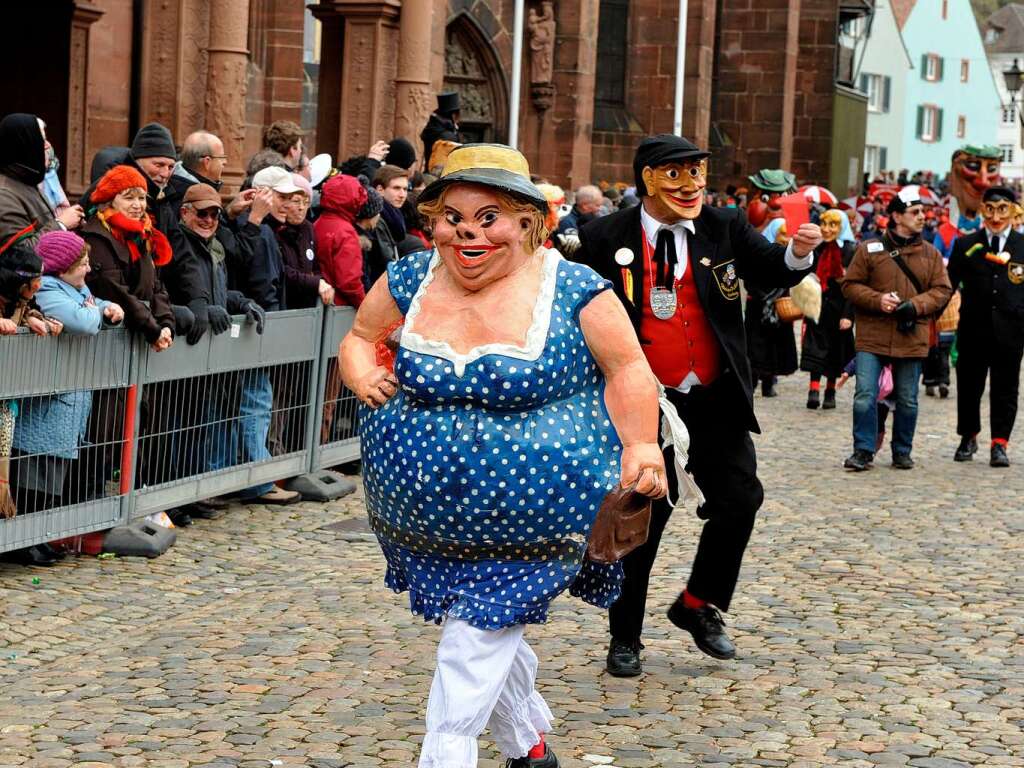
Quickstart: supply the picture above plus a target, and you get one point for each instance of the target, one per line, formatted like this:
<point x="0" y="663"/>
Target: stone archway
<point x="471" y="67"/>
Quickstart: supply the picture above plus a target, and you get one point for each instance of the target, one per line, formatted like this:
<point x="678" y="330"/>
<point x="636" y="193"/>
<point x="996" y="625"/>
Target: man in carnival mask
<point x="676" y="265"/>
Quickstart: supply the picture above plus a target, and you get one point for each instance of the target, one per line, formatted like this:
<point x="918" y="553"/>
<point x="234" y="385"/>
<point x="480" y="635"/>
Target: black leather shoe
<point x="30" y="556"/>
<point x="943" y="391"/>
<point x="768" y="388"/>
<point x="999" y="457"/>
<point x="813" y="399"/>
<point x="858" y="461"/>
<point x="929" y="391"/>
<point x="548" y="761"/>
<point x="49" y="551"/>
<point x="830" y="400"/>
<point x="624" y="658"/>
<point x="204" y="510"/>
<point x="902" y="461"/>
<point x="180" y="518"/>
<point x="965" y="452"/>
<point x="706" y="626"/>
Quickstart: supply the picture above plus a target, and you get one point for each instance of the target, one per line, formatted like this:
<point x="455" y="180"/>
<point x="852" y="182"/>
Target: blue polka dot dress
<point x="484" y="473"/>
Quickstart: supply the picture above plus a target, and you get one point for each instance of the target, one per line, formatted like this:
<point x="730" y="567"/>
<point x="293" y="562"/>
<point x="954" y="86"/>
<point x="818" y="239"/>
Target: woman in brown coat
<point x="126" y="250"/>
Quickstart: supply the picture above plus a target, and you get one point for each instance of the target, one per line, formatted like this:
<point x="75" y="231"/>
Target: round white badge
<point x="309" y="254"/>
<point x="623" y="257"/>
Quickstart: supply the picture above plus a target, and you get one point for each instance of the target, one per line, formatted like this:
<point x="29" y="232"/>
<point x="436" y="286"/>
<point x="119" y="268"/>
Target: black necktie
<point x="995" y="243"/>
<point x="665" y="256"/>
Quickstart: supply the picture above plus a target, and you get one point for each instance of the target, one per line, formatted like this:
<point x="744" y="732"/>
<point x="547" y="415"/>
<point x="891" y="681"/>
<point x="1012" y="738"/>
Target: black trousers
<point x="935" y="371"/>
<point x="976" y="359"/>
<point x="723" y="462"/>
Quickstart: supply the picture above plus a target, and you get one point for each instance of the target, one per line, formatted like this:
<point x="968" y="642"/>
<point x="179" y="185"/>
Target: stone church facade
<point x="764" y="78"/>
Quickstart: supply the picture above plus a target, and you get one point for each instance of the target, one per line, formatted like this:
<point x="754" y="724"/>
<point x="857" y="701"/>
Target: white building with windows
<point x="884" y="66"/>
<point x="1004" y="44"/>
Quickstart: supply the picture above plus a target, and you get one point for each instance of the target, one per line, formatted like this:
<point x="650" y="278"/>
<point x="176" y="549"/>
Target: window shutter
<point x="864" y="83"/>
<point x="883" y="158"/>
<point x="938" y="125"/>
<point x="942" y="66"/>
<point x="886" y="88"/>
<point x="920" y="122"/>
<point x="924" y="66"/>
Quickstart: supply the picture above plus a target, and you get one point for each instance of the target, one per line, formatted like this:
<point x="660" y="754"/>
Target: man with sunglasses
<point x="988" y="267"/>
<point x="676" y="265"/>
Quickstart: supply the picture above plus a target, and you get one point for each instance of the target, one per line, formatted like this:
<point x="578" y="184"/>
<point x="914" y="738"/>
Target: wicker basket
<point x="950" y="318"/>
<point x="787" y="310"/>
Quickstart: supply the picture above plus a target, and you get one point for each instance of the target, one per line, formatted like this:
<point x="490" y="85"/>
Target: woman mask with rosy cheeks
<point x="480" y="240"/>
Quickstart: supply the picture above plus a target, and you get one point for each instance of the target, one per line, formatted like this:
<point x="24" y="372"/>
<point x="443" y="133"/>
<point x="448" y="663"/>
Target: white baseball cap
<point x="278" y="179"/>
<point x="319" y="167"/>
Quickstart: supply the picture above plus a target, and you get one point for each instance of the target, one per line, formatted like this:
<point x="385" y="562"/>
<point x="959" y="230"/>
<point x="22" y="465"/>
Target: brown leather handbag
<point x="621" y="525"/>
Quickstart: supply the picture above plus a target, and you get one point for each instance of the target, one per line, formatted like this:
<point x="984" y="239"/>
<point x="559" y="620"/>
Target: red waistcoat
<point x="686" y="342"/>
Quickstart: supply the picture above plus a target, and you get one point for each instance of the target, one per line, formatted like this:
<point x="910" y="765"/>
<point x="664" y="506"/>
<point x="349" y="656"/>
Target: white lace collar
<point x="536" y="336"/>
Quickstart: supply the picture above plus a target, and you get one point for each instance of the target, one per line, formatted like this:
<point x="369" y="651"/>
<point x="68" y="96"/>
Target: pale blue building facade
<point x="951" y="98"/>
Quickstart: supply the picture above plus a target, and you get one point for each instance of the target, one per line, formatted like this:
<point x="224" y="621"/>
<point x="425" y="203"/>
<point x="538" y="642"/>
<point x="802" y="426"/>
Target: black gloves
<point x="220" y="320"/>
<point x="254" y="313"/>
<point x="906" y="317"/>
<point x="199" y="309"/>
<point x="183" y="319"/>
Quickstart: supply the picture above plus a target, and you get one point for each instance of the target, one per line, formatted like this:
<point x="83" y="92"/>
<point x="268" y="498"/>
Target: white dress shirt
<point x="651" y="228"/>
<point x="1002" y="238"/>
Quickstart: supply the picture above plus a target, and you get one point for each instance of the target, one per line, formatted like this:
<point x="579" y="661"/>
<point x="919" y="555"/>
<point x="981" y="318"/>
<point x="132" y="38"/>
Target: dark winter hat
<point x="153" y="140"/>
<point x="400" y="153"/>
<point x="59" y="250"/>
<point x="490" y="165"/>
<point x="22" y="153"/>
<point x="660" y="150"/>
<point x="448" y="102"/>
<point x="998" y="194"/>
<point x="374" y="204"/>
<point x="19" y="265"/>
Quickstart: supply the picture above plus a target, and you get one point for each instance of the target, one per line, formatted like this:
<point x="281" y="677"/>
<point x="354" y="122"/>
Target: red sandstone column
<point x="415" y="95"/>
<point x="226" y="81"/>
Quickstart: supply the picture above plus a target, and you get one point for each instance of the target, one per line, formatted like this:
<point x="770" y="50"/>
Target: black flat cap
<point x="663" y="149"/>
<point x="995" y="194"/>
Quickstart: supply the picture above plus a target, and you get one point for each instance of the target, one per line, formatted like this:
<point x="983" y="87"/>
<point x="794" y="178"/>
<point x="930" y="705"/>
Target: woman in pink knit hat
<point x="50" y="429"/>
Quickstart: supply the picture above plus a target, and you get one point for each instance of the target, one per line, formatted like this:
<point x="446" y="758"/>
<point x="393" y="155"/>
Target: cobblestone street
<point x="879" y="621"/>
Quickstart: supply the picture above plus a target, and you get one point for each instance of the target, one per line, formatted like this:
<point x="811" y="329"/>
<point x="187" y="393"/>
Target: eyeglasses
<point x="217" y="157"/>
<point x="208" y="213"/>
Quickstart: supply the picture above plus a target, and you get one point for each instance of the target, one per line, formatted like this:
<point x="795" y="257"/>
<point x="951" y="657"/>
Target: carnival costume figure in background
<point x="519" y="399"/>
<point x="827" y="344"/>
<point x="769" y="185"/>
<point x="676" y="264"/>
<point x="973" y="170"/>
<point x="770" y="342"/>
<point x="443" y="126"/>
<point x="988" y="267"/>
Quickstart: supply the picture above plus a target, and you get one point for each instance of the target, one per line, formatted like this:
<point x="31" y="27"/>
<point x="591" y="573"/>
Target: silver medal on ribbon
<point x="663" y="303"/>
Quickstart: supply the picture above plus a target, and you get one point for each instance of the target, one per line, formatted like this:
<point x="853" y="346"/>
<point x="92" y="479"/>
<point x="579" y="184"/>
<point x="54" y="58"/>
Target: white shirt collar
<point x="651" y="225"/>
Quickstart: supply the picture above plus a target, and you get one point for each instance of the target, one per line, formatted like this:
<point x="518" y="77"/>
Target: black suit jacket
<point x="992" y="295"/>
<point x="722" y="238"/>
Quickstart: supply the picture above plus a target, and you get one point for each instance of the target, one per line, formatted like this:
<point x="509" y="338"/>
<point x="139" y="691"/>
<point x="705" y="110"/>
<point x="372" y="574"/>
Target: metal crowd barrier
<point x="161" y="430"/>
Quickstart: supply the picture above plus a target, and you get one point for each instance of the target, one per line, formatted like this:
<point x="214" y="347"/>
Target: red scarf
<point x="830" y="264"/>
<point x="138" y="236"/>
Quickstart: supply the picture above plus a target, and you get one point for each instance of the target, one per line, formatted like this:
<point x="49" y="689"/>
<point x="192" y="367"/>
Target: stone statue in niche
<point x="541" y="27"/>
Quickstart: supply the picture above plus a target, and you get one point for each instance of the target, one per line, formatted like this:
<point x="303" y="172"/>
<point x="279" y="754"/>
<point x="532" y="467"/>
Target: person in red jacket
<point x="337" y="244"/>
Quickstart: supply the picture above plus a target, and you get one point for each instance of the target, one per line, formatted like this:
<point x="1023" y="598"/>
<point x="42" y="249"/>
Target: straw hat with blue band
<point x="490" y="165"/>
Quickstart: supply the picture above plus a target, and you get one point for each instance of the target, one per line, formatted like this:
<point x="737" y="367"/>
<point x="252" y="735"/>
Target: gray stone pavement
<point x="879" y="623"/>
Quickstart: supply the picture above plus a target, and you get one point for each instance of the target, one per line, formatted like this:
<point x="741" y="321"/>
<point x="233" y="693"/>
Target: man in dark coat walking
<point x="988" y="265"/>
<point x="676" y="266"/>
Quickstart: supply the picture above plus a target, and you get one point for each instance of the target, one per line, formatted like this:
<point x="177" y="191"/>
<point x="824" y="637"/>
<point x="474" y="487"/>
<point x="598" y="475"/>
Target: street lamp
<point x="1012" y="78"/>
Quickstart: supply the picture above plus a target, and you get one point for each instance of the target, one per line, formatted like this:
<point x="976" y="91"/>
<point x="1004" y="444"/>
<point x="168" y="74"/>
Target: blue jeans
<point x="905" y="376"/>
<point x="254" y="410"/>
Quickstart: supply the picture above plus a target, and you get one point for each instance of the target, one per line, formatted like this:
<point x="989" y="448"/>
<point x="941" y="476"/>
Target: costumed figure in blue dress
<point x="519" y="399"/>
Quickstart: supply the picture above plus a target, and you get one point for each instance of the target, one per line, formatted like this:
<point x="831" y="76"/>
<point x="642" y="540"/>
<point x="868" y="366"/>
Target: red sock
<point x="815" y="385"/>
<point x="538" y="750"/>
<point x="1000" y="441"/>
<point x="691" y="602"/>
